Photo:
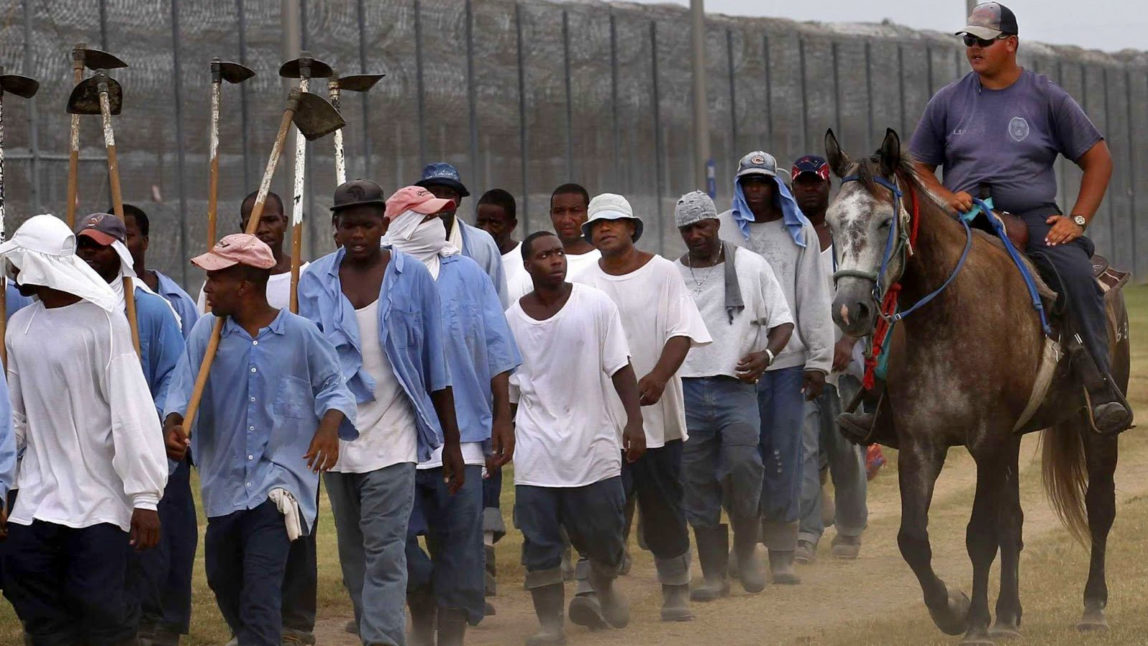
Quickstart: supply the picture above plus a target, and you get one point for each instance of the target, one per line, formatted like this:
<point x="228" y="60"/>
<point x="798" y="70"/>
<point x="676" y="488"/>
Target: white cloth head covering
<point x="44" y="251"/>
<point x="426" y="241"/>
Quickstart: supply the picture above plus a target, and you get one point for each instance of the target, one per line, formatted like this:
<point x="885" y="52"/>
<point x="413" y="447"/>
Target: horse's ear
<point x="837" y="158"/>
<point x="890" y="153"/>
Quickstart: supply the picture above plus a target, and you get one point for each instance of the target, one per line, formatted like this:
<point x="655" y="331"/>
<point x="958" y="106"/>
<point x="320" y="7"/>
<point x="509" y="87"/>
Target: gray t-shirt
<point x="1006" y="138"/>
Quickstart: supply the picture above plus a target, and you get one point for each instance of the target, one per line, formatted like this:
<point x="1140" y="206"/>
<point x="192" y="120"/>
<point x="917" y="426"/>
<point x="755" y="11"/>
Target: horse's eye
<point x="884" y="226"/>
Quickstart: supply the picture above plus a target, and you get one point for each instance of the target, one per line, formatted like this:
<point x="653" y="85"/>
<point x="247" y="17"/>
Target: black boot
<point x="424" y="611"/>
<point x="548" y="603"/>
<point x="713" y="554"/>
<point x="1108" y="410"/>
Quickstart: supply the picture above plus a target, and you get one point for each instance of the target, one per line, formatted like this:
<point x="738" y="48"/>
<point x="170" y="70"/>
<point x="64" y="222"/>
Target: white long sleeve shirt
<point x="84" y="417"/>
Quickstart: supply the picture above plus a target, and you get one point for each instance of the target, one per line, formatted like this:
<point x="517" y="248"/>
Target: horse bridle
<point x="897" y="244"/>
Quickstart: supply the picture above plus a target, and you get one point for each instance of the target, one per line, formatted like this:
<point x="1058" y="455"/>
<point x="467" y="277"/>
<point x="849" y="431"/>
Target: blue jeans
<point x="161" y="576"/>
<point x="301" y="582"/>
<point x="454" y="570"/>
<point x="245" y="554"/>
<point x="824" y="445"/>
<point x="69" y="586"/>
<point x="492" y="506"/>
<point x="720" y="461"/>
<point x="655" y="479"/>
<point x="592" y="516"/>
<point x="781" y="405"/>
<point x="372" y="511"/>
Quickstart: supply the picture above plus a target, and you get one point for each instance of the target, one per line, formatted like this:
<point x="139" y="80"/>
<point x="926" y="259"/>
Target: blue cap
<point x="757" y="162"/>
<point x="442" y="174"/>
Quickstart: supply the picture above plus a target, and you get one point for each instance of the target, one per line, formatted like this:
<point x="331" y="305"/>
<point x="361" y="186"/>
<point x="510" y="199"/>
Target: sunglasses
<point x="971" y="40"/>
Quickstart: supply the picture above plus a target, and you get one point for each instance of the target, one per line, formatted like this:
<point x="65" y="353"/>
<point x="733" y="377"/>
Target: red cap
<point x="236" y="249"/>
<point x="417" y="199"/>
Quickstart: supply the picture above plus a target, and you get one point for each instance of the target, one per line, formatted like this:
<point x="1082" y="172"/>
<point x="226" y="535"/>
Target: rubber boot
<point x="676" y="603"/>
<point x="585" y="610"/>
<point x="781" y="568"/>
<point x="713" y="554"/>
<point x="451" y="626"/>
<point x="745" y="551"/>
<point x="781" y="541"/>
<point x="1108" y="410"/>
<point x="548" y="603"/>
<point x="424" y="610"/>
<point x="615" y="609"/>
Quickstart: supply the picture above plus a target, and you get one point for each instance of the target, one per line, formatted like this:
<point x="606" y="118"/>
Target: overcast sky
<point x="1109" y="25"/>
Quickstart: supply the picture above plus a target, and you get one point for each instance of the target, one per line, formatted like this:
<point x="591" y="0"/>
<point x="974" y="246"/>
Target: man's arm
<point x="633" y="436"/>
<point x="651" y="386"/>
<point x="960" y="201"/>
<point x="453" y="466"/>
<point x="754" y="364"/>
<point x="502" y="430"/>
<point x="1097" y="166"/>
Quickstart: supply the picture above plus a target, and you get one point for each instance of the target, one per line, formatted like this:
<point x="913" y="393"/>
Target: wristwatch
<point x="1080" y="221"/>
<point x="769" y="357"/>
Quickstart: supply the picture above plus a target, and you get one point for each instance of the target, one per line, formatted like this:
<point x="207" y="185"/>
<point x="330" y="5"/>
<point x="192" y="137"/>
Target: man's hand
<point x="323" y="453"/>
<point x="752" y="366"/>
<point x="633" y="441"/>
<point x="453" y="467"/>
<point x="1063" y="230"/>
<point x="3" y="522"/>
<point x="961" y="201"/>
<point x="843" y="353"/>
<point x="650" y="389"/>
<point x="501" y="444"/>
<point x="145" y="529"/>
<point x="176" y="442"/>
<point x="814" y="384"/>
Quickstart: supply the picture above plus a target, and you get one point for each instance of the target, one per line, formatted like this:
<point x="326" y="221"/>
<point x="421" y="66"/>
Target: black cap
<point x="359" y="192"/>
<point x="990" y="20"/>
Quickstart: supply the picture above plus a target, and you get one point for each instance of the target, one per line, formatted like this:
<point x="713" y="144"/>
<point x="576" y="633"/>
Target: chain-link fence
<point x="519" y="95"/>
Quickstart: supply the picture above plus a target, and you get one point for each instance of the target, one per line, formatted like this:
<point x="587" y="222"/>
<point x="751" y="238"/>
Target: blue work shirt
<point x="7" y="443"/>
<point x="180" y="302"/>
<point x="410" y="333"/>
<point x="161" y="344"/>
<point x="478" y="245"/>
<point x="260" y="409"/>
<point x="479" y="344"/>
<point x="14" y="301"/>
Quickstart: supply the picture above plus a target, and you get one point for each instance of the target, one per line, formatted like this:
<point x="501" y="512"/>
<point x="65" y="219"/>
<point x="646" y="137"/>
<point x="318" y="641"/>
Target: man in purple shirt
<point x="1001" y="128"/>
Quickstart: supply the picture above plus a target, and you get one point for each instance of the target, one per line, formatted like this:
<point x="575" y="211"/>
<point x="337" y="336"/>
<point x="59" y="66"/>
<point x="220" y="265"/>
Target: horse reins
<point x="901" y="242"/>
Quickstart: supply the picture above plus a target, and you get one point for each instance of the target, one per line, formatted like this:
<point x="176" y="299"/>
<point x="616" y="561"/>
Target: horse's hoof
<point x="953" y="618"/>
<point x="1093" y="621"/>
<point x="980" y="640"/>
<point x="1004" y="631"/>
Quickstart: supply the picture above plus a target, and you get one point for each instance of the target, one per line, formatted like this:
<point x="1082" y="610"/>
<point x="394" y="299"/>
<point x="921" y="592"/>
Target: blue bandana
<point x="791" y="214"/>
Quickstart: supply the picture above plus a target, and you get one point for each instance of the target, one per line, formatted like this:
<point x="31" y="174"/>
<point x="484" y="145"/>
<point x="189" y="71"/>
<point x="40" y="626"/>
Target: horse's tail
<point x="1065" y="475"/>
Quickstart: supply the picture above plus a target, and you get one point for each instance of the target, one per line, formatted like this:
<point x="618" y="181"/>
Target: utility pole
<point x="970" y="5"/>
<point x="704" y="174"/>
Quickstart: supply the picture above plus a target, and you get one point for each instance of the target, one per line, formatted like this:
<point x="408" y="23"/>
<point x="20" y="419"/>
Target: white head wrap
<point x="44" y="251"/>
<point x="426" y="241"/>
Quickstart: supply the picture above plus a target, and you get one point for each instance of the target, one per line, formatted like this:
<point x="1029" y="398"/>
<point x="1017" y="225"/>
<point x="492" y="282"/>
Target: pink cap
<point x="414" y="198"/>
<point x="236" y="249"/>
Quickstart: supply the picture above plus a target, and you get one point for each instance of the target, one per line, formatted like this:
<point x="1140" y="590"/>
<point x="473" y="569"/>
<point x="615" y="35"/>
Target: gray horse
<point x="961" y="370"/>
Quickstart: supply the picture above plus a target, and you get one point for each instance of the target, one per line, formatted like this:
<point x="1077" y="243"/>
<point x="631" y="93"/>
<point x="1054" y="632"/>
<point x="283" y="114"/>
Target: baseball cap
<point x="609" y="206"/>
<point x="442" y="174"/>
<point x="104" y="228"/>
<point x="236" y="249"/>
<point x="414" y="198"/>
<point x="358" y="193"/>
<point x="810" y="164"/>
<point x="990" y="20"/>
<point x="757" y="163"/>
<point x="692" y="207"/>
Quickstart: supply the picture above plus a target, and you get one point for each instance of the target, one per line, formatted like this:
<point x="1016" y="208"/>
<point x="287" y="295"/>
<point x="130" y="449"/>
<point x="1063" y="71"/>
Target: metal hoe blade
<point x="85" y="97"/>
<point x="234" y="72"/>
<point x="19" y="85"/>
<point x="315" y="117"/>
<point x="359" y="82"/>
<point x="319" y="69"/>
<point x="94" y="59"/>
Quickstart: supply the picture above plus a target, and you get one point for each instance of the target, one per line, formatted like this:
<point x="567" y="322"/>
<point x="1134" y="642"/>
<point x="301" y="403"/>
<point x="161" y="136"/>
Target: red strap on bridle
<point x="889" y="302"/>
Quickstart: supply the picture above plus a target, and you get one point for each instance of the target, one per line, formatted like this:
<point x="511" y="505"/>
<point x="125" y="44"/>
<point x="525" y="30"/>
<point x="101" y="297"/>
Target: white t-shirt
<point x="518" y="282"/>
<point x="566" y="432"/>
<point x="387" y="431"/>
<point x="84" y="417"/>
<point x="578" y="263"/>
<point x="655" y="307"/>
<point x="765" y="308"/>
<point x="278" y="291"/>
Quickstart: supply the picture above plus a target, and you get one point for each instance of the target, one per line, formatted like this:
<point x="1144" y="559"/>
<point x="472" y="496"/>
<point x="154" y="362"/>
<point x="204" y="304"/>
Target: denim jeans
<point x="454" y="570"/>
<point x="720" y="461"/>
<point x="245" y="555"/>
<point x="301" y="582"/>
<point x="372" y="511"/>
<point x="656" y="480"/>
<point x="592" y="516"/>
<point x="69" y="585"/>
<point x="781" y="405"/>
<point x="161" y="576"/>
<point x="824" y="445"/>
